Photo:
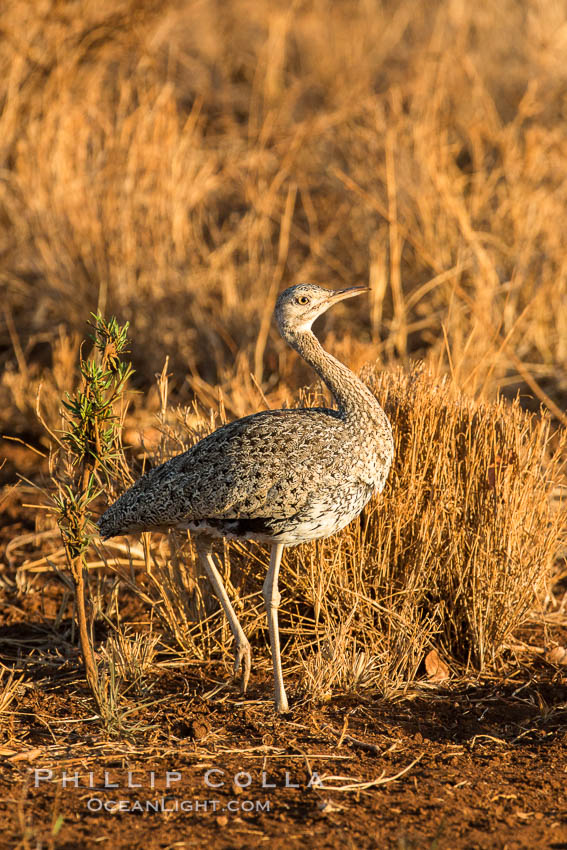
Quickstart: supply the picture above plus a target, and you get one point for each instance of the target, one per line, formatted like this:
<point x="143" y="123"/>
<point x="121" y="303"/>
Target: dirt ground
<point x="482" y="766"/>
<point x="465" y="764"/>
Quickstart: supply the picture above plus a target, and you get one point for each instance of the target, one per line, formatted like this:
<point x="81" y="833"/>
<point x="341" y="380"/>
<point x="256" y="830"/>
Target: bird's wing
<point x="263" y="469"/>
<point x="266" y="465"/>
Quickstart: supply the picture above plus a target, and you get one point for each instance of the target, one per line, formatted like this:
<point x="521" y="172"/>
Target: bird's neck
<point x="351" y="394"/>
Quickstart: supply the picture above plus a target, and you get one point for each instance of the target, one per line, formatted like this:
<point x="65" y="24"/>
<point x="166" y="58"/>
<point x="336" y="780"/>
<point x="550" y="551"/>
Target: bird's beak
<point x="341" y="294"/>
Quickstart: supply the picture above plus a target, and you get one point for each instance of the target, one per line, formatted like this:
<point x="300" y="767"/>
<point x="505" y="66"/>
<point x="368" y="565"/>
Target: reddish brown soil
<point x="491" y="772"/>
<point x="480" y="764"/>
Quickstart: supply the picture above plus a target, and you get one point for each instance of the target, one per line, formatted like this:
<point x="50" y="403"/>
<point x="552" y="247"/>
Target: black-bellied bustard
<point x="280" y="476"/>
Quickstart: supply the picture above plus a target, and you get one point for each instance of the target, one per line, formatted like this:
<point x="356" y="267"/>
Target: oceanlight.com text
<point x="163" y="804"/>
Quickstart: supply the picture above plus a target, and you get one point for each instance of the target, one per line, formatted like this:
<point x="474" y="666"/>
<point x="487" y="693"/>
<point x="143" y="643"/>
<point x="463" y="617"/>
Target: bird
<point x="282" y="477"/>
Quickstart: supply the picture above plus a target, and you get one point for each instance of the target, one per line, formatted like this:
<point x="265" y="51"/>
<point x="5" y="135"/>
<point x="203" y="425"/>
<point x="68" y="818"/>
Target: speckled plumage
<point x="279" y="476"/>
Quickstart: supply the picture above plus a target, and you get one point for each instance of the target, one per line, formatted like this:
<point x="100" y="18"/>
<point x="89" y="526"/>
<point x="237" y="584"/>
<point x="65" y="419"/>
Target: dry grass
<point x="454" y="555"/>
<point x="132" y="655"/>
<point x="10" y="686"/>
<point x="177" y="164"/>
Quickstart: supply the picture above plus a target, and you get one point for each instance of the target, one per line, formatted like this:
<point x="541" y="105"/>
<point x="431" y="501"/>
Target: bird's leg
<point x="272" y="599"/>
<point x="242" y="654"/>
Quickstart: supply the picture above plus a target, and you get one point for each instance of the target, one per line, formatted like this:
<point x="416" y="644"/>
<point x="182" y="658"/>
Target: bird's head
<point x="298" y="307"/>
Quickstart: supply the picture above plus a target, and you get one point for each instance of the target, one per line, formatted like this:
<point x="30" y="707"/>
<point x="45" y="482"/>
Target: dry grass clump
<point x="452" y="556"/>
<point x="469" y="502"/>
<point x="132" y="655"/>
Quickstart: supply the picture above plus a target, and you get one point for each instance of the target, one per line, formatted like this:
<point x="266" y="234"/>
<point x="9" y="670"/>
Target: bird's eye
<point x="302" y="299"/>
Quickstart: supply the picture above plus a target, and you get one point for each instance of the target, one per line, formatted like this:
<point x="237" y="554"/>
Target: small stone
<point x="557" y="655"/>
<point x="327" y="807"/>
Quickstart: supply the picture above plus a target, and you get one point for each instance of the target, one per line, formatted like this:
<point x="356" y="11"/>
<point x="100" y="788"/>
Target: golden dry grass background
<point x="177" y="164"/>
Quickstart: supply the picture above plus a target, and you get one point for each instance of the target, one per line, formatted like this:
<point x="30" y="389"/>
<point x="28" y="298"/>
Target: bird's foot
<point x="280" y="700"/>
<point x="282" y="706"/>
<point x="242" y="658"/>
